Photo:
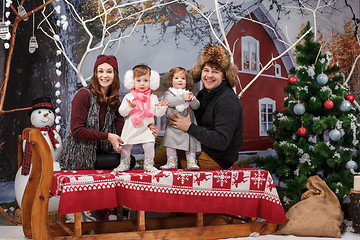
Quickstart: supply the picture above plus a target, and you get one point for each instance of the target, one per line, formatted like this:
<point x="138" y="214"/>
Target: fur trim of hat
<point x="217" y="54"/>
<point x="168" y="77"/>
<point x="129" y="80"/>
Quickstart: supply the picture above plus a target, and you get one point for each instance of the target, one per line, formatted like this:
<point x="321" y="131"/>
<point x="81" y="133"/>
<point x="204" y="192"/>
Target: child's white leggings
<point x="149" y="150"/>
<point x="170" y="152"/>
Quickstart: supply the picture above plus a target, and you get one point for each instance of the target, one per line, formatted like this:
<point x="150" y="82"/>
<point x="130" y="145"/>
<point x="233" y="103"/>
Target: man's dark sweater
<point x="220" y="124"/>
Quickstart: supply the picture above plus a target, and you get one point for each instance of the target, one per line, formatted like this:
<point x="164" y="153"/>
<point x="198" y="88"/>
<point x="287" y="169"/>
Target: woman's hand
<point x="178" y="121"/>
<point x="115" y="141"/>
<point x="163" y="102"/>
<point x="154" y="129"/>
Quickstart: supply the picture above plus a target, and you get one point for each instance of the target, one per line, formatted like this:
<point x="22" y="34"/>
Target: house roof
<point x="263" y="16"/>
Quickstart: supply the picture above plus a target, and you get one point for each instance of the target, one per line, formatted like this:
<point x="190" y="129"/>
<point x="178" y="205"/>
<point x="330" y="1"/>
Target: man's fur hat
<point x="217" y="54"/>
<point x="168" y="77"/>
<point x="154" y="80"/>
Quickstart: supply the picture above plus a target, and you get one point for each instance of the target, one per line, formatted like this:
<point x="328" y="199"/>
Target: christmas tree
<point x="318" y="132"/>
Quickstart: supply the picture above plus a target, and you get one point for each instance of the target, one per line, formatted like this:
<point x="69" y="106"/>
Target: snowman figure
<point x="42" y="117"/>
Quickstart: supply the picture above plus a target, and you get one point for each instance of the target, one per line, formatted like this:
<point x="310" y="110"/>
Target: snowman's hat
<point x="42" y="102"/>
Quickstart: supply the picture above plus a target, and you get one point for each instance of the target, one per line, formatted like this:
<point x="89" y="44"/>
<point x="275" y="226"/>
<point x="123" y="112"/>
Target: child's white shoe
<point x="191" y="162"/>
<point x="124" y="165"/>
<point x="172" y="163"/>
<point x="149" y="165"/>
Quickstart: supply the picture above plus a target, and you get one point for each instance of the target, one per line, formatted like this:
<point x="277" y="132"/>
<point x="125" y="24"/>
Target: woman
<point x="219" y="117"/>
<point x="95" y="124"/>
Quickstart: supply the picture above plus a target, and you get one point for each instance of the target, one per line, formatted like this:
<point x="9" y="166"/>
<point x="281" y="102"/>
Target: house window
<point x="266" y="115"/>
<point x="277" y="70"/>
<point x="250" y="54"/>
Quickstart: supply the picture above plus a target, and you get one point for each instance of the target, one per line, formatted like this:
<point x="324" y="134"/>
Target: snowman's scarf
<point x="26" y="163"/>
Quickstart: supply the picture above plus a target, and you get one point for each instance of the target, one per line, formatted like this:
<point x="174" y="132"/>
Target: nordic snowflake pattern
<point x="259" y="178"/>
<point x="222" y="178"/>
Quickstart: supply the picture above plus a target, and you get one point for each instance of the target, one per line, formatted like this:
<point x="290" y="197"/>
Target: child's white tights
<point x="149" y="150"/>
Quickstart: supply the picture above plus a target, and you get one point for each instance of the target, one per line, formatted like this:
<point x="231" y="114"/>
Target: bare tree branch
<point x="18" y="19"/>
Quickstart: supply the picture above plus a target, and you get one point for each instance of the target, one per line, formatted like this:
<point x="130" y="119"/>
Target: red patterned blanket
<point x="243" y="192"/>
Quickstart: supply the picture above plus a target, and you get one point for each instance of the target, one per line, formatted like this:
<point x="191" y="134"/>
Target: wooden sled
<point x="183" y="226"/>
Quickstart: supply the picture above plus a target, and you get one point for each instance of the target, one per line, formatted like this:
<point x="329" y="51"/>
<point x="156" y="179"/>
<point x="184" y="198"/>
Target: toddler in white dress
<point x="139" y="108"/>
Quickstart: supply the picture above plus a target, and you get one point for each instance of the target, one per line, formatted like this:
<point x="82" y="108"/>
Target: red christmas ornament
<point x="328" y="104"/>
<point x="350" y="97"/>
<point x="301" y="131"/>
<point x="292" y="79"/>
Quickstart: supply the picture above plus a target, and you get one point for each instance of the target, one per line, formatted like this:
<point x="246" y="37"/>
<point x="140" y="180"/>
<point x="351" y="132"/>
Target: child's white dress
<point x="139" y="134"/>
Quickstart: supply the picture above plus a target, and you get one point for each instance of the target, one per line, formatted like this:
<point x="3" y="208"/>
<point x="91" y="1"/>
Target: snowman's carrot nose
<point x="46" y="114"/>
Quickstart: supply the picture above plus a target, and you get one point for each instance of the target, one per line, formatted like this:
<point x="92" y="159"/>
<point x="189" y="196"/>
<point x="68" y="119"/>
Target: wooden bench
<point x="180" y="226"/>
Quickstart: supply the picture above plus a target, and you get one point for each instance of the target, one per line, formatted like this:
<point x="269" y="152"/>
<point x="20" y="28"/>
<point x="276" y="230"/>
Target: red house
<point x="255" y="45"/>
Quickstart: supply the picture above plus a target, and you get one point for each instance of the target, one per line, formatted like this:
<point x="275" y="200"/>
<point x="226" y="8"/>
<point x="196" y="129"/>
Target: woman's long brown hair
<point x="113" y="94"/>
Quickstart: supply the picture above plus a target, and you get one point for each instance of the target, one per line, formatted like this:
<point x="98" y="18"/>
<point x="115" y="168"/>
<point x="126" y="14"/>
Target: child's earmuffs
<point x="154" y="80"/>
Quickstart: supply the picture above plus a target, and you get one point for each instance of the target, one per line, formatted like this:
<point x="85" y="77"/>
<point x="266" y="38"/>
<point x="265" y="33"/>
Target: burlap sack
<point x="318" y="213"/>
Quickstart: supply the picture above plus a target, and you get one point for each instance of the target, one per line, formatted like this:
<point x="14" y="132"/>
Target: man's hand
<point x="178" y="121"/>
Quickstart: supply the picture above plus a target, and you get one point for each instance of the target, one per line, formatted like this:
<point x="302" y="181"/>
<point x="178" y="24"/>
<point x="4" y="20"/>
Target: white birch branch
<point x="270" y="62"/>
<point x="354" y="64"/>
<point x="222" y="29"/>
<point x="106" y="31"/>
<point x="313" y="11"/>
<point x="267" y="26"/>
